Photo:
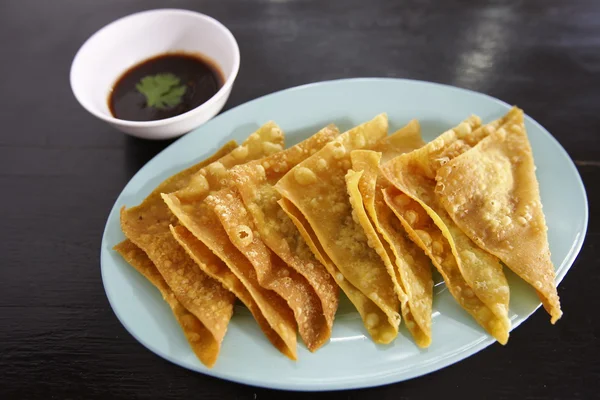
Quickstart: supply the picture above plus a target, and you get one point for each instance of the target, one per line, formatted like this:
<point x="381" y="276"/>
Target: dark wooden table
<point x="61" y="170"/>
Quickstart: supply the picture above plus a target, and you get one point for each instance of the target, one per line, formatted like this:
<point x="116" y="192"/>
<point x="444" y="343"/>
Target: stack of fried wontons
<point x="283" y="230"/>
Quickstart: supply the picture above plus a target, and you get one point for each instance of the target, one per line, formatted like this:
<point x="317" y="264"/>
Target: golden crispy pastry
<point x="269" y="230"/>
<point x="317" y="188"/>
<point x="363" y="304"/>
<point x="147" y="226"/>
<point x="407" y="263"/>
<point x="474" y="277"/>
<point x="492" y="194"/>
<point x="272" y="273"/>
<point x="220" y="272"/>
<point x="200" y="339"/>
<point x="197" y="215"/>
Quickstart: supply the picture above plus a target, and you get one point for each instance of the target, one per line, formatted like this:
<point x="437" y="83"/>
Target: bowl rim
<point x="166" y="121"/>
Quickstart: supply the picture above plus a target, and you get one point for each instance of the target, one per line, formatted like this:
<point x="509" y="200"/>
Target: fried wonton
<point x="492" y="194"/>
<point x="307" y="286"/>
<point x="402" y="141"/>
<point x="147" y="226"/>
<point x="317" y="188"/>
<point x="424" y="232"/>
<point x="484" y="292"/>
<point x="457" y="141"/>
<point x="215" y="268"/>
<point x="364" y="305"/>
<point x="272" y="273"/>
<point x="200" y="339"/>
<point x="193" y="212"/>
<point x="407" y="262"/>
<point x="307" y="233"/>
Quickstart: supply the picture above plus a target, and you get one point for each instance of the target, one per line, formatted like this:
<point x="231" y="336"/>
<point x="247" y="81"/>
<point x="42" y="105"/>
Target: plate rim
<point x="421" y="370"/>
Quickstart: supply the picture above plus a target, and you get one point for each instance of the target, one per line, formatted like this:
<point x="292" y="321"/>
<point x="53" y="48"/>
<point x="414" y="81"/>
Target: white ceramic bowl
<point x="134" y="38"/>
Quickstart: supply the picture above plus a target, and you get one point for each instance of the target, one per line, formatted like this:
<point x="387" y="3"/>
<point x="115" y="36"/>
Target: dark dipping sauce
<point x="201" y="77"/>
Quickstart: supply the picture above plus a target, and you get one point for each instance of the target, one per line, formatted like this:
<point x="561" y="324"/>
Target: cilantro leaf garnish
<point x="161" y="90"/>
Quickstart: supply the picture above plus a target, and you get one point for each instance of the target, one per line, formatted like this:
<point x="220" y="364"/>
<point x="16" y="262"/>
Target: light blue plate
<point x="351" y="359"/>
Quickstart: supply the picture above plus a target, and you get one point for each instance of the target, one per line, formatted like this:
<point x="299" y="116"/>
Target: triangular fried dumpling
<point x="317" y="188"/>
<point x="277" y="234"/>
<point x="492" y="194"/>
<point x="217" y="270"/>
<point x="147" y="226"/>
<point x="360" y="215"/>
<point x="193" y="212"/>
<point x="199" y="338"/>
<point x="424" y="232"/>
<point x="365" y="306"/>
<point x="414" y="174"/>
<point x="410" y="265"/>
<point x="272" y="273"/>
<point x="402" y="141"/>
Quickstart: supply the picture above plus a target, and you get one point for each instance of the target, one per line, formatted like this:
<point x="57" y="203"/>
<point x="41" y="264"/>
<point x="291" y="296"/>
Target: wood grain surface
<point x="61" y="170"/>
